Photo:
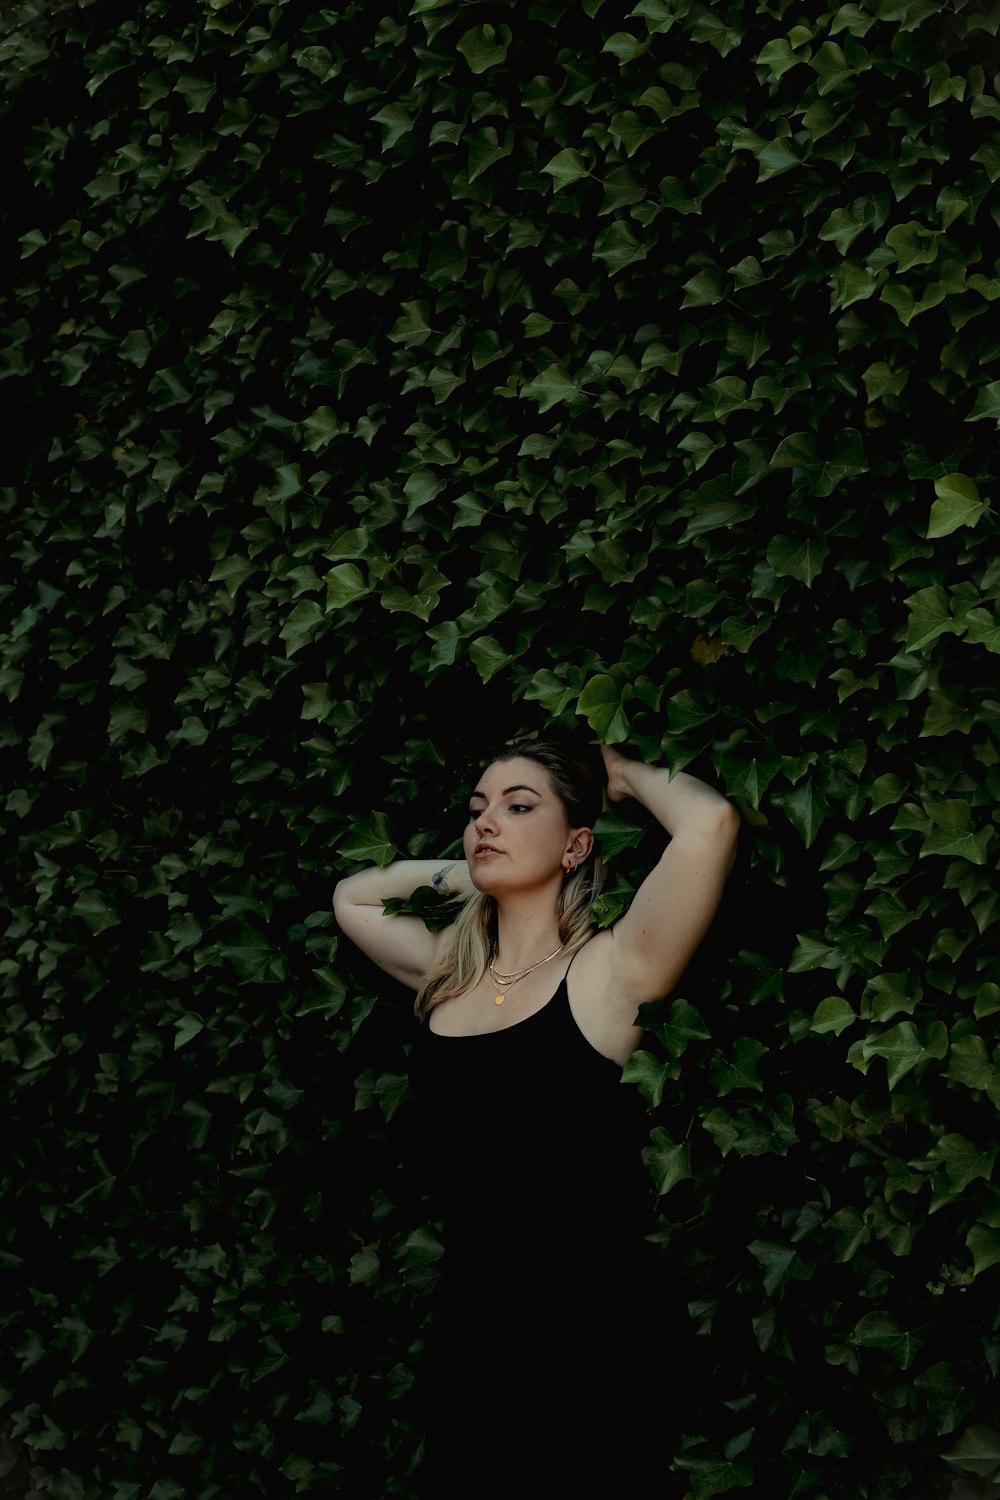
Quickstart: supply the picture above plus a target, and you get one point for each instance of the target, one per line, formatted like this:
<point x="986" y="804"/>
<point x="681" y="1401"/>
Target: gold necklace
<point x="504" y="982"/>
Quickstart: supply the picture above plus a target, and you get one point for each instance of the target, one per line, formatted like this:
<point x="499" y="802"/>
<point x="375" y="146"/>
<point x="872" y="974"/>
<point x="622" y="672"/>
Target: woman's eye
<point x="520" y="807"/>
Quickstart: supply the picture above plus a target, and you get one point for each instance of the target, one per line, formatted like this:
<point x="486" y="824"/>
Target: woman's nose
<point x="485" y="820"/>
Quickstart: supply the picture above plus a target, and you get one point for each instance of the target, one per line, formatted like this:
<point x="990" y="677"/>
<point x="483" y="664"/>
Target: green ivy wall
<point x="382" y="380"/>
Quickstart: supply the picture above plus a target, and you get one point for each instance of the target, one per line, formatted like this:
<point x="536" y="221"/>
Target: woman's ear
<point x="579" y="844"/>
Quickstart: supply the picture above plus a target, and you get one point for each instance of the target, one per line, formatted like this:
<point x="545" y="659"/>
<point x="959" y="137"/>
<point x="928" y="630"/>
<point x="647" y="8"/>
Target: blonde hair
<point x="578" y="780"/>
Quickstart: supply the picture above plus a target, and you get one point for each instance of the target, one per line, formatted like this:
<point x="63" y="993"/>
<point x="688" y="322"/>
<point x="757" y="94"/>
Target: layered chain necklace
<point x="504" y="982"/>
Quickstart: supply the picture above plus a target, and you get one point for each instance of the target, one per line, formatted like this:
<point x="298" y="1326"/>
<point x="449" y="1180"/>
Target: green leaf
<point x="301" y="625"/>
<point x="396" y="121"/>
<point x="802" y="560"/>
<point x="565" y="168"/>
<point x="485" y="47"/>
<point x="963" y="1161"/>
<point x="668" y="1161"/>
<point x="619" y="247"/>
<point x="321" y="428"/>
<point x="983" y="629"/>
<point x="929" y="616"/>
<point x="888" y="994"/>
<point x="489" y="657"/>
<point x="601" y="703"/>
<point x="344" y="585"/>
<point x="852" y="282"/>
<point x="703" y="290"/>
<point x="411" y="328"/>
<point x="903" y="1048"/>
<point x="845" y="224"/>
<point x="551" y="692"/>
<point x="232" y="571"/>
<point x="957" y="504"/>
<point x="711" y="1476"/>
<point x="779" y="1265"/>
<point x="775" y="158"/>
<point x="977" y="1451"/>
<point x="914" y="244"/>
<point x="807" y="809"/>
<point x="777" y="58"/>
<point x="649" y="1073"/>
<point x="551" y="386"/>
<point x="741" y="1072"/>
<point x="984" y="1242"/>
<point x="880" y="1331"/>
<point x="370" y="840"/>
<point x="951" y="833"/>
<point x="186" y="1029"/>
<point x="987" y="404"/>
<point x="832" y="1014"/>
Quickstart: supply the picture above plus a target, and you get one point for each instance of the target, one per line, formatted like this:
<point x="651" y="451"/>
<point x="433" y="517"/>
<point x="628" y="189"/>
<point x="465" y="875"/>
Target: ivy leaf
<point x="984" y="1242"/>
<point x="411" y="328"/>
<point x="779" y="1265"/>
<point x="344" y="585"/>
<point x="777" y="57"/>
<point x="710" y="1476"/>
<point x="484" y="47"/>
<point x="802" y="560"/>
<point x="683" y="1025"/>
<point x="807" y="809"/>
<point x="186" y="1029"/>
<point x="963" y="1161"/>
<point x="369" y="840"/>
<point x="301" y="625"/>
<point x="424" y="599"/>
<point x="852" y="283"/>
<point x="903" y="1048"/>
<point x="668" y="1161"/>
<point x="551" y="386"/>
<point x="649" y="1073"/>
<point x="987" y="403"/>
<point x="565" y="168"/>
<point x="742" y="1071"/>
<point x="601" y="703"/>
<point x="550" y="691"/>
<point x="321" y="428"/>
<point x="832" y="1014"/>
<point x="977" y="1450"/>
<point x="930" y="616"/>
<point x="619" y="247"/>
<point x="914" y="244"/>
<point x="952" y="834"/>
<point x="877" y="1330"/>
<point x="489" y="656"/>
<point x="957" y="504"/>
<point x="983" y="629"/>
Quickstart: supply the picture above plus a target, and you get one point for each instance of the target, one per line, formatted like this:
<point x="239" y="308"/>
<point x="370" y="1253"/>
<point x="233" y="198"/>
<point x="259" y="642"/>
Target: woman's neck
<point x="526" y="932"/>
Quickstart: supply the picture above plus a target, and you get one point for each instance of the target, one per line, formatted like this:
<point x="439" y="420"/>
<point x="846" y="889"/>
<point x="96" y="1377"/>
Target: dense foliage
<point x="389" y="378"/>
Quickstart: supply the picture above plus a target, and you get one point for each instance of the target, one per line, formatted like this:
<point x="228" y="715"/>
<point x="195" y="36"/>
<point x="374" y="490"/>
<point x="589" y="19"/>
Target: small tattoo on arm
<point x="440" y="880"/>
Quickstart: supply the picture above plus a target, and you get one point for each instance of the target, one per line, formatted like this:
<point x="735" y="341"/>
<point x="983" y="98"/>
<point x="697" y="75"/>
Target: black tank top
<point x="531" y="1135"/>
<point x="537" y="1378"/>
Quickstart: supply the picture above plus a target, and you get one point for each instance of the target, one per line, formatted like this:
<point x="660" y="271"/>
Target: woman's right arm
<point x="401" y="945"/>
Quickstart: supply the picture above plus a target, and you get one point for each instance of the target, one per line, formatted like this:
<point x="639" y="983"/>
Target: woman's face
<point x="518" y="836"/>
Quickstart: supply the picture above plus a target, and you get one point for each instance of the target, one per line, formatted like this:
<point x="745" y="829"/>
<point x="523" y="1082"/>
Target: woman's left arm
<point x="657" y="937"/>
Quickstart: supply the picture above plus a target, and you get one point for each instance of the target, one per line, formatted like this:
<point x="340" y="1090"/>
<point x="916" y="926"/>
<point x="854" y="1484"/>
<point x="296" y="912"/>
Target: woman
<point x="551" y="1327"/>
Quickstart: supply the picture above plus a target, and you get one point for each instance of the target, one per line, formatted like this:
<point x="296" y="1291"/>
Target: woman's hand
<point x="615" y="764"/>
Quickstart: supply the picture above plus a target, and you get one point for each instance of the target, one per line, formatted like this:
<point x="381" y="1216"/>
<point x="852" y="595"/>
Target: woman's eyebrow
<point x="507" y="791"/>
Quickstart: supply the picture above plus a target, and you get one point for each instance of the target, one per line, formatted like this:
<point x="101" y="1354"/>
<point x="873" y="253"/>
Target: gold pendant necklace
<point x="504" y="982"/>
